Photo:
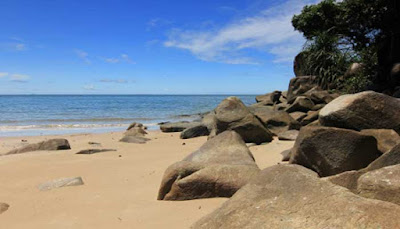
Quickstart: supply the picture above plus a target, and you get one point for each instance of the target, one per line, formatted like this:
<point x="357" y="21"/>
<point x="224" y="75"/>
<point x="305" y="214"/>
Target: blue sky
<point x="147" y="47"/>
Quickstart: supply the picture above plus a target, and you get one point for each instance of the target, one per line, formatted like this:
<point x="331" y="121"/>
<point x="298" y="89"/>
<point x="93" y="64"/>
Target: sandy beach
<point x="120" y="187"/>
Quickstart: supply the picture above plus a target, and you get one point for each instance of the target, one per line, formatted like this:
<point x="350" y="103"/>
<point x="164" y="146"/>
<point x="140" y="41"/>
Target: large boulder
<point x="387" y="139"/>
<point x="311" y="117"/>
<point x="319" y="96"/>
<point x="195" y="131"/>
<point x="270" y="98"/>
<point x="232" y="114"/>
<point x="301" y="103"/>
<point x="276" y="121"/>
<point x="300" y="85"/>
<point x="350" y="179"/>
<point x="330" y="151"/>
<point x="365" y="110"/>
<point x="298" y="115"/>
<point x="291" y="196"/>
<point x="382" y="184"/>
<point x="218" y="169"/>
<point x="52" y="144"/>
<point x="177" y="126"/>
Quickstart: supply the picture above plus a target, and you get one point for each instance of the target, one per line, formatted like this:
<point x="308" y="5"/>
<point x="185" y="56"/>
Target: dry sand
<point x="120" y="187"/>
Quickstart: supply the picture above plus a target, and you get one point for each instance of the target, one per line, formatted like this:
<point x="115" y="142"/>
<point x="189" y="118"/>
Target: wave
<point x="80" y="120"/>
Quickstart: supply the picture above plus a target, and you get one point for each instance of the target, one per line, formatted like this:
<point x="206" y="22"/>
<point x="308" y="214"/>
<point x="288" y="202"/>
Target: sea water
<point x="26" y="115"/>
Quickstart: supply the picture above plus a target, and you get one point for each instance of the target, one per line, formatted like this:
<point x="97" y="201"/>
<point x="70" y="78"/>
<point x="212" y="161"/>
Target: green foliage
<point x="341" y="33"/>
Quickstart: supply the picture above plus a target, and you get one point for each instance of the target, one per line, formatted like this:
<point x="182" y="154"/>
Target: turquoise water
<point x="25" y="115"/>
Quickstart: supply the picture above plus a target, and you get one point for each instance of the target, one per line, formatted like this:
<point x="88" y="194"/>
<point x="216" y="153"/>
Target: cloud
<point x="83" y="55"/>
<point x="19" y="78"/>
<point x="20" y="47"/>
<point x="269" y="31"/>
<point x="122" y="58"/>
<point x="106" y="80"/>
<point x="3" y="74"/>
<point x="89" y="87"/>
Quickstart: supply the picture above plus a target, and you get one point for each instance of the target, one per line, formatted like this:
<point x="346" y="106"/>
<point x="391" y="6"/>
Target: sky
<point x="147" y="47"/>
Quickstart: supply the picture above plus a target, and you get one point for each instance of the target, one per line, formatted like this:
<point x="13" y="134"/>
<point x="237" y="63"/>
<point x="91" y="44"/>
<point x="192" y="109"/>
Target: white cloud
<point x="20" y="47"/>
<point x="3" y="74"/>
<point x="83" y="55"/>
<point x="122" y="58"/>
<point x="269" y="31"/>
<point x="19" y="78"/>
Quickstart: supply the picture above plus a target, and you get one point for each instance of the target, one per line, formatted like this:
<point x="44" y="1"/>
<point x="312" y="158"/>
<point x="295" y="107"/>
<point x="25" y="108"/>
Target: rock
<point x="381" y="184"/>
<point x="93" y="151"/>
<point x="318" y="107"/>
<point x="281" y="106"/>
<point x="134" y="125"/>
<point x="314" y="123"/>
<point x="387" y="139"/>
<point x="330" y="151"/>
<point x="52" y="144"/>
<point x="300" y="85"/>
<point x="196" y="131"/>
<point x="298" y="115"/>
<point x="209" y="120"/>
<point x="286" y="155"/>
<point x="301" y="103"/>
<point x="395" y="74"/>
<point x="218" y="169"/>
<point x="270" y="98"/>
<point x="291" y="196"/>
<point x="349" y="179"/>
<point x="299" y="67"/>
<point x="3" y="207"/>
<point x="289" y="135"/>
<point x="133" y="139"/>
<point x="136" y="132"/>
<point x="63" y="182"/>
<point x="365" y="110"/>
<point x="311" y="117"/>
<point x="232" y="114"/>
<point x="355" y="68"/>
<point x="319" y="96"/>
<point x="276" y="121"/>
<point x="177" y="126"/>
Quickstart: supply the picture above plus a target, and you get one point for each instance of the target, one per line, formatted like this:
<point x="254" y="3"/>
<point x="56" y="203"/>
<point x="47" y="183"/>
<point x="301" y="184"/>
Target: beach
<point x="120" y="187"/>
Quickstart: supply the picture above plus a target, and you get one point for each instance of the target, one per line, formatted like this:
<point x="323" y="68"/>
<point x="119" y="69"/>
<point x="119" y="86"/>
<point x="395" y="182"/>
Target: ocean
<point x="30" y="115"/>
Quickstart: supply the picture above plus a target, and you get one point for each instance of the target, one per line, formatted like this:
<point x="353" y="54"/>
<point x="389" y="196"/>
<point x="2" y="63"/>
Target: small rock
<point x="3" y="207"/>
<point x="93" y="151"/>
<point x="63" y="182"/>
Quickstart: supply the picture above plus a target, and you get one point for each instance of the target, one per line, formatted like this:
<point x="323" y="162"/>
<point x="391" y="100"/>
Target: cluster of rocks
<point x="278" y="113"/>
<point x="343" y="169"/>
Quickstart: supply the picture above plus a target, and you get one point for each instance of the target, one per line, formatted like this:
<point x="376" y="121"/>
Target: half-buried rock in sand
<point x="218" y="169"/>
<point x="291" y="196"/>
<point x="52" y="144"/>
<point x="135" y="134"/>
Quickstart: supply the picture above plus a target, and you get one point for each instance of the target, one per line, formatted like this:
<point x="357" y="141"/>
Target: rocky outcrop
<point x="232" y="114"/>
<point x="300" y="85"/>
<point x="365" y="110"/>
<point x="387" y="139"/>
<point x="381" y="184"/>
<point x="196" y="131"/>
<point x="3" y="207"/>
<point x="218" y="169"/>
<point x="177" y="126"/>
<point x="63" y="182"/>
<point x="291" y="196"/>
<point x="135" y="134"/>
<point x="275" y="121"/>
<point x="52" y="144"/>
<point x="330" y="151"/>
